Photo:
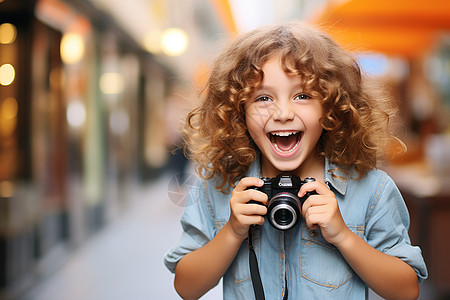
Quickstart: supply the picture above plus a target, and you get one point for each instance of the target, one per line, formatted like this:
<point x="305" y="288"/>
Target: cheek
<point x="254" y="120"/>
<point x="255" y="128"/>
<point x="313" y="120"/>
<point x="314" y="113"/>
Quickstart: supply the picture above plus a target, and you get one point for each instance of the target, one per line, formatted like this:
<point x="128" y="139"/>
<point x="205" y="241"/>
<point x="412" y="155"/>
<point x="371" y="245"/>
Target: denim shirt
<point x="372" y="207"/>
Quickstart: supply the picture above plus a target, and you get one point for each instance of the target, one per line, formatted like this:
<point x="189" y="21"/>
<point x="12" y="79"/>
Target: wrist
<point x="345" y="240"/>
<point x="232" y="234"/>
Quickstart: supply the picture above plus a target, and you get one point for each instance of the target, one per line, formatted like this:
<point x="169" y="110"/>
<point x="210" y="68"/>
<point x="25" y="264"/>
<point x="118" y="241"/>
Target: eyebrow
<point x="269" y="87"/>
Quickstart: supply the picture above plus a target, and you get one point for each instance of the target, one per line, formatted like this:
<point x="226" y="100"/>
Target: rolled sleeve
<point x="387" y="224"/>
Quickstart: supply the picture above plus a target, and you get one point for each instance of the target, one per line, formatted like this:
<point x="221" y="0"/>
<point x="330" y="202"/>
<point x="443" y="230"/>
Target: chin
<point x="288" y="166"/>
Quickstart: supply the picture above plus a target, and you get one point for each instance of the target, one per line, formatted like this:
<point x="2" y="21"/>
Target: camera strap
<point x="254" y="270"/>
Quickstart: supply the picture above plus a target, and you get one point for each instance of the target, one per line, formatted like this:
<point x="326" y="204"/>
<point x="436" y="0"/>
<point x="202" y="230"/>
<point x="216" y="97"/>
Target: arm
<point x="200" y="270"/>
<point x="388" y="276"/>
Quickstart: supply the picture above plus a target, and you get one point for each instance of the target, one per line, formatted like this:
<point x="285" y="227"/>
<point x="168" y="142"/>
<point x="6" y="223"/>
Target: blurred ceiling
<point x="405" y="28"/>
<point x="206" y="22"/>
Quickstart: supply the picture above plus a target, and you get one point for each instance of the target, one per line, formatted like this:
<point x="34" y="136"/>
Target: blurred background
<point x="92" y="93"/>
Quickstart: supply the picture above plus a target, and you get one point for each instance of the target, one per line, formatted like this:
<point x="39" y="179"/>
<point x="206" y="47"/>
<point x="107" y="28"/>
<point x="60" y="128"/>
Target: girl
<point x="288" y="100"/>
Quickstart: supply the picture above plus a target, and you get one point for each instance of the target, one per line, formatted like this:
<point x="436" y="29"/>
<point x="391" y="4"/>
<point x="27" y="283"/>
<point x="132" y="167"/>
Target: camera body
<point x="284" y="206"/>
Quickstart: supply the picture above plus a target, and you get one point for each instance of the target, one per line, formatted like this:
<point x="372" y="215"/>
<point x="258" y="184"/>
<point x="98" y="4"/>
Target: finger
<point x="253" y="209"/>
<point x="312" y="201"/>
<point x="316" y="200"/>
<point x="311" y="224"/>
<point x="249" y="209"/>
<point x="313" y="217"/>
<point x="247" y="182"/>
<point x="251" y="220"/>
<point x="256" y="220"/>
<point x="257" y="196"/>
<point x="249" y="197"/>
<point x="310" y="209"/>
<point x="243" y="194"/>
<point x="314" y="186"/>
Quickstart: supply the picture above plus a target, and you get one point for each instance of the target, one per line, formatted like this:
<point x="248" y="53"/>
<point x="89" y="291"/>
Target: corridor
<point x="125" y="259"/>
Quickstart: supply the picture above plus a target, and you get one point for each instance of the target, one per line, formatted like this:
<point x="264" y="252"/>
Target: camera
<point x="283" y="208"/>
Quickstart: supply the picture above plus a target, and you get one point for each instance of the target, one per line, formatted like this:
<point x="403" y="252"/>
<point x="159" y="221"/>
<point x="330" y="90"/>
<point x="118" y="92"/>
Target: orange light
<point x="8" y="116"/>
<point x="9" y="108"/>
<point x="8" y="33"/>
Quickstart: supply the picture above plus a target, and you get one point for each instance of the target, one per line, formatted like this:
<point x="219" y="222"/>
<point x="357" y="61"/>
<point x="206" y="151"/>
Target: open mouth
<point x="285" y="142"/>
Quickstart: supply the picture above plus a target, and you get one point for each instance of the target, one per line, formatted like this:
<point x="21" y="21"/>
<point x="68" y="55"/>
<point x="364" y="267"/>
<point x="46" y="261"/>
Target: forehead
<point x="274" y="71"/>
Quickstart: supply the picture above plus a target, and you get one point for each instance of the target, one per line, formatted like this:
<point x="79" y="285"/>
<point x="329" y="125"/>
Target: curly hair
<point x="356" y="113"/>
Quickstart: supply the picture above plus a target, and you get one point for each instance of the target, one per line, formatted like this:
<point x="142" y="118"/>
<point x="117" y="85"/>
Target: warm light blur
<point x="174" y="41"/>
<point x="8" y="116"/>
<point x="7" y="74"/>
<point x="152" y="41"/>
<point x="7" y="33"/>
<point x="9" y="108"/>
<point x="6" y="188"/>
<point x="72" y="48"/>
<point x="111" y="83"/>
<point x="76" y="113"/>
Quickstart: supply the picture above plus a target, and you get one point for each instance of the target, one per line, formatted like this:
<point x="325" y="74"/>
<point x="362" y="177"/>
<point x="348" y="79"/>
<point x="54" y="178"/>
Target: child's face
<point x="285" y="122"/>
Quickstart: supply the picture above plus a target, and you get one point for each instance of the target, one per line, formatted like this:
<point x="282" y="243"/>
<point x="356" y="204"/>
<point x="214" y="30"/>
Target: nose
<point x="283" y="111"/>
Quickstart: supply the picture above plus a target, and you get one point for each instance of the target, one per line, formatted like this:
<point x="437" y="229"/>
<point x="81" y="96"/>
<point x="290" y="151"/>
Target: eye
<point x="302" y="97"/>
<point x="263" y="99"/>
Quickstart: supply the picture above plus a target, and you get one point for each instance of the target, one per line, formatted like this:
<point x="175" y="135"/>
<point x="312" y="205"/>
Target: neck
<point x="313" y="167"/>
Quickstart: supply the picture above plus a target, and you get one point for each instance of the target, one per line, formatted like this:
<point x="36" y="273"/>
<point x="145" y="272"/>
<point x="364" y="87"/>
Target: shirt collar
<point x="335" y="177"/>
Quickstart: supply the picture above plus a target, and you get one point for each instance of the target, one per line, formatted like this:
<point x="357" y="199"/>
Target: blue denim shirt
<point x="372" y="207"/>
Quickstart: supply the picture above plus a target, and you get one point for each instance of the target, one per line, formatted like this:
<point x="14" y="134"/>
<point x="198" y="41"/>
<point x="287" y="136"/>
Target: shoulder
<point x="374" y="181"/>
<point x="205" y="199"/>
<point x="386" y="197"/>
<point x="383" y="184"/>
<point x="205" y="191"/>
<point x="379" y="185"/>
<point x="350" y="183"/>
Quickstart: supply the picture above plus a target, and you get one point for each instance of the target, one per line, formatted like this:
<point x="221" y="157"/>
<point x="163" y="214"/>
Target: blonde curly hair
<point x="356" y="114"/>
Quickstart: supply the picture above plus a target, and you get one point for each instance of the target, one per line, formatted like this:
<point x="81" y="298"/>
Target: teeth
<point x="284" y="133"/>
<point x="284" y="151"/>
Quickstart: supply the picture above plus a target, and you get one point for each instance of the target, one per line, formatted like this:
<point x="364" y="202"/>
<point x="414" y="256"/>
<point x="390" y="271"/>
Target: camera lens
<point x="283" y="216"/>
<point x="283" y="211"/>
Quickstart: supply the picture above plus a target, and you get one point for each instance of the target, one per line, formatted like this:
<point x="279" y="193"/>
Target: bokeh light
<point x="8" y="33"/>
<point x="7" y="74"/>
<point x="174" y="41"/>
<point x="111" y="83"/>
<point x="72" y="48"/>
<point x="76" y="113"/>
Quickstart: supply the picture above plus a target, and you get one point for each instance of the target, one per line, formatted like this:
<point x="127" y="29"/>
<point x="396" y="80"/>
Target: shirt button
<point x="313" y="233"/>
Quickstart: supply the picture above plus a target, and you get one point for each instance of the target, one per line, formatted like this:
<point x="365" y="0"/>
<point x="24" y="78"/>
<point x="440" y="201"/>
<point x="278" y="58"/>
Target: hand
<point x="244" y="214"/>
<point x="322" y="211"/>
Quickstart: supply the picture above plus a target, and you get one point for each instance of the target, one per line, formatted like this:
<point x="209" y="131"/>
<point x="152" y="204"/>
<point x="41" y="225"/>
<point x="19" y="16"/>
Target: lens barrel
<point x="283" y="210"/>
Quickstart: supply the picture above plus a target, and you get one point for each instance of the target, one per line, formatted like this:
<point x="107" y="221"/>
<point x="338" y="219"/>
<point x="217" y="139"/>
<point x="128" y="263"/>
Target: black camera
<point x="283" y="209"/>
